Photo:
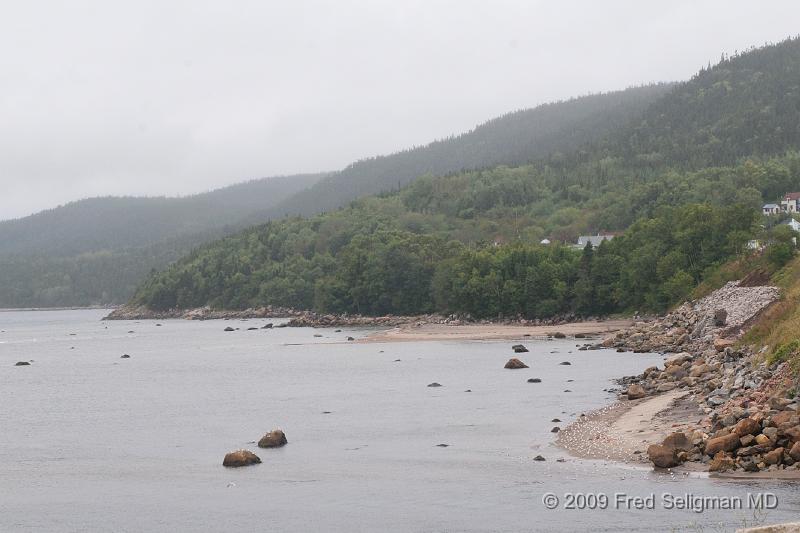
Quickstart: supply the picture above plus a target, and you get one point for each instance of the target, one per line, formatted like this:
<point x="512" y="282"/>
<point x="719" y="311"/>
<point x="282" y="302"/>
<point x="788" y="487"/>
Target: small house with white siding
<point x="771" y="209"/>
<point x="791" y="202"/>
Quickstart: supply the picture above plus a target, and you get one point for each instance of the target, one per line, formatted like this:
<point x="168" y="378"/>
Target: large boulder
<point x="794" y="453"/>
<point x="663" y="456"/>
<point x="775" y="457"/>
<point x="678" y="441"/>
<point x="720" y="317"/>
<point x="274" y="439"/>
<point x="746" y="426"/>
<point x="515" y="363"/>
<point x="726" y="443"/>
<point x="721" y="462"/>
<point x="519" y="348"/>
<point x="636" y="391"/>
<point x="240" y="458"/>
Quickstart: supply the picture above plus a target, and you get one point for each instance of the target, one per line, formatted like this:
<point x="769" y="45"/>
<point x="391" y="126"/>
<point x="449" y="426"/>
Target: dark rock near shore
<point x="515" y="363"/>
<point x="539" y="458"/>
<point x="22" y="363"/>
<point x="229" y="329"/>
<point x="635" y="392"/>
<point x="125" y="356"/>
<point x="274" y="439"/>
<point x="240" y="458"/>
<point x="534" y="380"/>
<point x="519" y="348"/>
<point x="434" y="384"/>
<point x="559" y="335"/>
<point x="564" y="363"/>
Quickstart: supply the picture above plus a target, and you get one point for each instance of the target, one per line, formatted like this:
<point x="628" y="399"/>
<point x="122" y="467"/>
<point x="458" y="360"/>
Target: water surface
<point x="94" y="442"/>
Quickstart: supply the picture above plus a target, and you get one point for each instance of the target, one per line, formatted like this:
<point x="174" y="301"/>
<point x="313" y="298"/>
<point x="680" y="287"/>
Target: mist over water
<point x="92" y="441"/>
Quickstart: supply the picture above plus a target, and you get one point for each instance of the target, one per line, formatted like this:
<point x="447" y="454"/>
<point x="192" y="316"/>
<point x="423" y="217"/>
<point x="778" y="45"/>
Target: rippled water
<point x="94" y="442"/>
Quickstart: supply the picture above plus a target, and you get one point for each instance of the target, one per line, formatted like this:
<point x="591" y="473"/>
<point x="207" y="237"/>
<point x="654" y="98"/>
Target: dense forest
<point x="96" y="251"/>
<point x="684" y="180"/>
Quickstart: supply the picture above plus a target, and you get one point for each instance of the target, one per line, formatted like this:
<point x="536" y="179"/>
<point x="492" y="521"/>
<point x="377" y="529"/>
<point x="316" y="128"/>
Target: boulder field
<point x="747" y="416"/>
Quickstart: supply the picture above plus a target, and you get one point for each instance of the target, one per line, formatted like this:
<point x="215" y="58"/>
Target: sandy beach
<point x="622" y="431"/>
<point x="445" y="332"/>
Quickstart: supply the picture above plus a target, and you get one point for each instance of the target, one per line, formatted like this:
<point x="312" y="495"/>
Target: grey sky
<point x="168" y="97"/>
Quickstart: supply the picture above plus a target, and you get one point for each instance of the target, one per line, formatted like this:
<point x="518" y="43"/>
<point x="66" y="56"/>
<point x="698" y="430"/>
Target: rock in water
<point x="636" y="391"/>
<point x="519" y="348"/>
<point x="663" y="456"/>
<point x="229" y="329"/>
<point x="534" y="380"/>
<point x="539" y="458"/>
<point x="434" y="384"/>
<point x="515" y="363"/>
<point x="125" y="356"/>
<point x="22" y="363"/>
<point x="564" y="363"/>
<point x="240" y="458"/>
<point x="274" y="439"/>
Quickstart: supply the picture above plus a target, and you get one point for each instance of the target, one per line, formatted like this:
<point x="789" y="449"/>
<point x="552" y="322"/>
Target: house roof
<point x="594" y="239"/>
<point x="792" y="196"/>
<point x="770" y="206"/>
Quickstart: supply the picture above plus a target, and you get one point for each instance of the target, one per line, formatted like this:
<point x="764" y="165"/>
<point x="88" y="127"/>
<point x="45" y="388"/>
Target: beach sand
<point x="446" y="332"/>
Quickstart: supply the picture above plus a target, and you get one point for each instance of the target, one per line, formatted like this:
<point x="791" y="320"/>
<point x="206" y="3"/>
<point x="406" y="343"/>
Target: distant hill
<point x="512" y="139"/>
<point x="95" y="251"/>
<point x="116" y="223"/>
<point x="431" y="246"/>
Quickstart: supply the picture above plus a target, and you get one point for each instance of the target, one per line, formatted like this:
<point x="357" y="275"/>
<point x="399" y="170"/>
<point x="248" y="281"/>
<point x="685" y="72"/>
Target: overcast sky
<point x="168" y="97"/>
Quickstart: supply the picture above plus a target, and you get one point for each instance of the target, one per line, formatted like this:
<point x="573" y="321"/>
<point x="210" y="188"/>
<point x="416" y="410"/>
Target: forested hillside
<point x="96" y="251"/>
<point x="116" y="223"/>
<point x="468" y="242"/>
<point x="513" y="139"/>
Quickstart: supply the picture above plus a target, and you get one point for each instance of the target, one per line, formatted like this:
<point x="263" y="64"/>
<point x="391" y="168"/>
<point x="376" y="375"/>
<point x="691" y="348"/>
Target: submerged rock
<point x="434" y="384"/>
<point x="240" y="458"/>
<point x="22" y="363"/>
<point x="274" y="439"/>
<point x="534" y="380"/>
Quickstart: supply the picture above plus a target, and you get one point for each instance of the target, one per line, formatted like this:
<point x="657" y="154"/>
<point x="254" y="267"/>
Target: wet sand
<point x="446" y="332"/>
<point x="622" y="431"/>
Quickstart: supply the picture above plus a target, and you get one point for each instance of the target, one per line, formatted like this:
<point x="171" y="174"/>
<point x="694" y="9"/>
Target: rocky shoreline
<point x="301" y="318"/>
<point x="747" y="411"/>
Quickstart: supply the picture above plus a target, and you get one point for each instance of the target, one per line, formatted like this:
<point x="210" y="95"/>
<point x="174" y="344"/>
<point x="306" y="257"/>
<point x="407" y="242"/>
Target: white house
<point x="795" y="225"/>
<point x="789" y="204"/>
<point x="771" y="209"/>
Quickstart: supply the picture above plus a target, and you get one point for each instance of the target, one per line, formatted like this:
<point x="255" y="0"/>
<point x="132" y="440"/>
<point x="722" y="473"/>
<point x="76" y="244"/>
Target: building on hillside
<point x="771" y="209"/>
<point x="754" y="244"/>
<point x="583" y="240"/>
<point x="790" y="204"/>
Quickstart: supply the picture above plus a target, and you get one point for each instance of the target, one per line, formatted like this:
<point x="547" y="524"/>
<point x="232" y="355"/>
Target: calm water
<point x="94" y="442"/>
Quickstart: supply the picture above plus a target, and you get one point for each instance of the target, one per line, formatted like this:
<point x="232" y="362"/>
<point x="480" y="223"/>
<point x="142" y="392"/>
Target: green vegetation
<point x="96" y="251"/>
<point x="685" y="176"/>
